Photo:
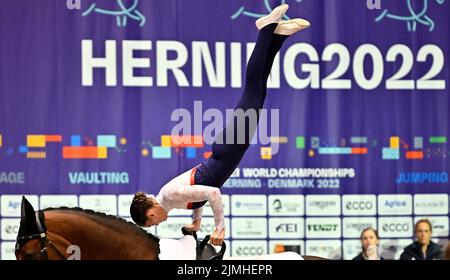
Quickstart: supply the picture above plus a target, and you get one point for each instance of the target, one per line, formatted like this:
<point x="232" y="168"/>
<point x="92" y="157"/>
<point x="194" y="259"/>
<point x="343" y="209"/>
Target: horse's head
<point x="32" y="242"/>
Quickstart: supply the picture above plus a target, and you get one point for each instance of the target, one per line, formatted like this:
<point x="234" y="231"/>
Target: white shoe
<point x="289" y="27"/>
<point x="274" y="17"/>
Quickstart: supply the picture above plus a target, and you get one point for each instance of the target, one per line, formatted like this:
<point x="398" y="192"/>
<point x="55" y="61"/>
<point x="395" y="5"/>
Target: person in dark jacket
<point x="423" y="248"/>
<point x="369" y="242"/>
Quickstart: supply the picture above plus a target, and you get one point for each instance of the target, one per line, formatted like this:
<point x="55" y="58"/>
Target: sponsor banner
<point x="352" y="227"/>
<point x="56" y="201"/>
<point x="9" y="229"/>
<point x="207" y="227"/>
<point x="172" y="227"/>
<point x="359" y="205"/>
<point x="391" y="204"/>
<point x="100" y="203"/>
<point x="277" y="246"/>
<point x="431" y="204"/>
<point x="124" y="202"/>
<point x="323" y="205"/>
<point x="207" y="210"/>
<point x="10" y="204"/>
<point x="351" y="248"/>
<point x="249" y="205"/>
<point x="286" y="228"/>
<point x="248" y="248"/>
<point x="8" y="251"/>
<point x="323" y="227"/>
<point x="250" y="228"/>
<point x="286" y="205"/>
<point x="330" y="249"/>
<point x="391" y="249"/>
<point x="439" y="223"/>
<point x="395" y="227"/>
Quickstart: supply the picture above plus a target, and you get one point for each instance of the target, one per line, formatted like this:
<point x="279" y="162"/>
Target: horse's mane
<point x="111" y="221"/>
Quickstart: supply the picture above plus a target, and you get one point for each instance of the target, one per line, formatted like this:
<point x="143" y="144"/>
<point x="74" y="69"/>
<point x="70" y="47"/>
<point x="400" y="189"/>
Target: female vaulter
<point x="192" y="189"/>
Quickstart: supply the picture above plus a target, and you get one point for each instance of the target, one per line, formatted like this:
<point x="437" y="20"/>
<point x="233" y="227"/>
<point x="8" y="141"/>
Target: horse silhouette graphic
<point x="267" y="5"/>
<point x="121" y="15"/>
<point x="415" y="15"/>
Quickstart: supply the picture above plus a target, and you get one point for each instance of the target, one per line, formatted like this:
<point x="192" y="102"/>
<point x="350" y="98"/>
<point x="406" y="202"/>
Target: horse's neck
<point x="96" y="241"/>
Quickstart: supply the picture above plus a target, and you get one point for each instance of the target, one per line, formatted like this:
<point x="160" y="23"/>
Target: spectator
<point x="369" y="242"/>
<point x="423" y="248"/>
<point x="447" y="252"/>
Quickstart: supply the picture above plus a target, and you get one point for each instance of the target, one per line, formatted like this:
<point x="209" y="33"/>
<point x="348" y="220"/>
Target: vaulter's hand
<point x="217" y="237"/>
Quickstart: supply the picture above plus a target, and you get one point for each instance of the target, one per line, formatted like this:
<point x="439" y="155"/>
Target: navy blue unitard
<point x="226" y="156"/>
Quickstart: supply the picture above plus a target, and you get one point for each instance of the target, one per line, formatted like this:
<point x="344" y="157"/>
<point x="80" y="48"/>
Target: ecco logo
<point x="12" y="229"/>
<point x="250" y="251"/>
<point x="359" y="205"/>
<point x="287" y="228"/>
<point x="207" y="228"/>
<point x="396" y="227"/>
<point x="329" y="227"/>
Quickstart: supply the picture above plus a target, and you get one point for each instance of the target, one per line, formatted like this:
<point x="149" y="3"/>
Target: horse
<point x="414" y="17"/>
<point x="74" y="233"/>
<point x="121" y="15"/>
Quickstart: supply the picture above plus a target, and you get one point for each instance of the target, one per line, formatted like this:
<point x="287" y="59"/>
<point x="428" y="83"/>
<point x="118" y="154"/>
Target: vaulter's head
<point x="146" y="211"/>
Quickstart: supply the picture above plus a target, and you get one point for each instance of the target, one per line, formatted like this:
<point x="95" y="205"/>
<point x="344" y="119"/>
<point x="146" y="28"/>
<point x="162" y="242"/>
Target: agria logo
<point x="121" y="10"/>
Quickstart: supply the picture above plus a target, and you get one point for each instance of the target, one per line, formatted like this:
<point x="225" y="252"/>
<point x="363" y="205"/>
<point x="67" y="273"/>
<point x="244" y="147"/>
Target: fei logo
<point x="286" y="228"/>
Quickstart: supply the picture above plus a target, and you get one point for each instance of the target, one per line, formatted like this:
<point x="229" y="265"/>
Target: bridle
<point x="42" y="236"/>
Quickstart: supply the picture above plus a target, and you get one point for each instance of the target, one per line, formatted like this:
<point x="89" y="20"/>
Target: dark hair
<point x="426" y="221"/>
<point x="138" y="208"/>
<point x="367" y="229"/>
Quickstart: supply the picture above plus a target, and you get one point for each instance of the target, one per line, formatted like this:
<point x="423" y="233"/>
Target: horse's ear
<point x="27" y="211"/>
